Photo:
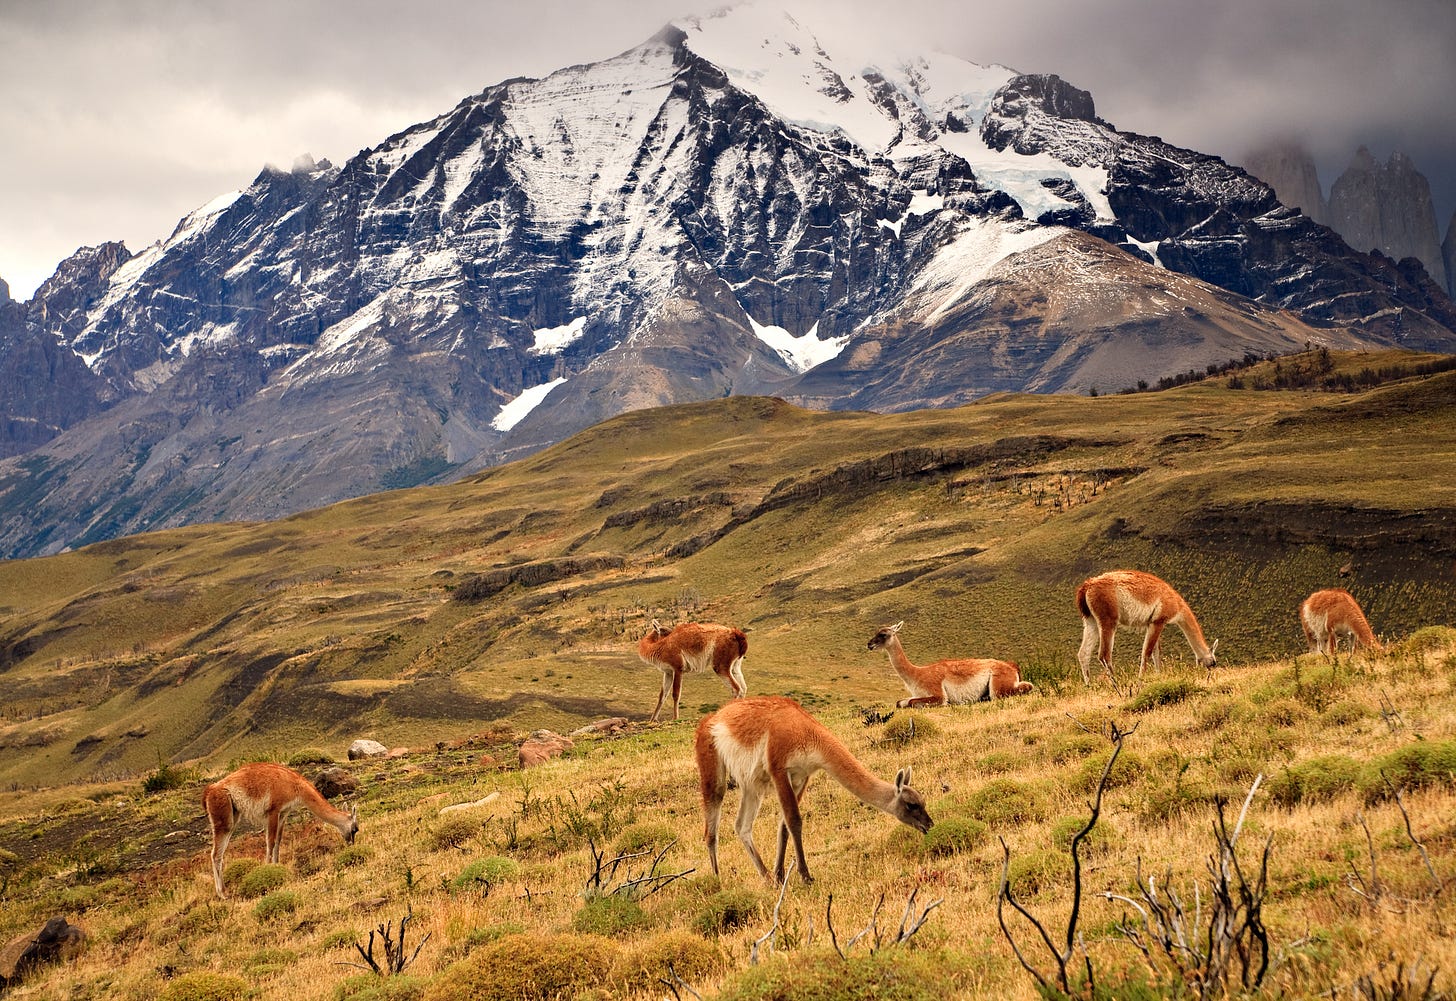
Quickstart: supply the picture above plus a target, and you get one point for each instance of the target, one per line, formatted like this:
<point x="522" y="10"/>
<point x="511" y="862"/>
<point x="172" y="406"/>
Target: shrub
<point x="350" y="856"/>
<point x="641" y="967"/>
<point x="1415" y="766"/>
<point x="1007" y="801"/>
<point x="726" y="910"/>
<point x="1074" y="747"/>
<point x="275" y="905"/>
<point x="204" y="986"/>
<point x="454" y="830"/>
<point x="1036" y="871"/>
<point x="1164" y="693"/>
<point x="898" y="974"/>
<point x="485" y="873"/>
<point x="1099" y="840"/>
<point x="1317" y="779"/>
<point x="610" y="915"/>
<point x="1001" y="761"/>
<point x="165" y="777"/>
<point x="952" y="835"/>
<point x="310" y="756"/>
<point x="261" y="878"/>
<point x="1427" y="639"/>
<point x="372" y="987"/>
<point x="1127" y="770"/>
<point x="527" y="968"/>
<point x="908" y="727"/>
<point x="266" y="961"/>
<point x="644" y="837"/>
<point x="1283" y="712"/>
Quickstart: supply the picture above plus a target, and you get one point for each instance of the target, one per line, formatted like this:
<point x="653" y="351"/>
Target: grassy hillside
<point x="517" y="597"/>
<point x="453" y="620"/>
<point x="505" y="891"/>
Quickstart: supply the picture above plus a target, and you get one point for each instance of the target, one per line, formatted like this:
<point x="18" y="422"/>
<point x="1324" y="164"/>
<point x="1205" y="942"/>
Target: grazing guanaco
<point x="1139" y="600"/>
<point x="259" y="797"/>
<point x="949" y="681"/>
<point x="1329" y="615"/>
<point x="693" y="646"/>
<point x="771" y="743"/>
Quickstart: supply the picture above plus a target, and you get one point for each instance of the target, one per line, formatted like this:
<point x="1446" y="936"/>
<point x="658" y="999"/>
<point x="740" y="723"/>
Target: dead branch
<point x="1436" y="883"/>
<point x="394" y="950"/>
<point x="768" y="936"/>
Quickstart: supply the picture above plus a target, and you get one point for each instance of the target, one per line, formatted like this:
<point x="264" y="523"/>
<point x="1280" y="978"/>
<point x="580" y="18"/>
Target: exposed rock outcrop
<point x="1387" y="207"/>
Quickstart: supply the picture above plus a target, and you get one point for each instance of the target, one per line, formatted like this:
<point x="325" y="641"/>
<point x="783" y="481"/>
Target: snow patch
<point x="515" y="411"/>
<point x="979" y="245"/>
<point x="554" y="340"/>
<point x="800" y="353"/>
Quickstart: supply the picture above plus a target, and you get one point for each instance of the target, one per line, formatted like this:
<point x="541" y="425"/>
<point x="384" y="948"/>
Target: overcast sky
<point x="117" y="118"/>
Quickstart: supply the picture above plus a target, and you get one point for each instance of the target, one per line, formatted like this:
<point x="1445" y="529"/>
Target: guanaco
<point x="949" y="681"/>
<point x="1328" y="616"/>
<point x="693" y="646"/>
<point x="772" y="743"/>
<point x="1139" y="600"/>
<point x="260" y="796"/>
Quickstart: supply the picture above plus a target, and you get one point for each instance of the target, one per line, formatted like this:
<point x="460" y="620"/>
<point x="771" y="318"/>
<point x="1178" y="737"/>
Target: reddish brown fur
<point x="953" y="681"/>
<point x="1140" y="600"/>
<point x="260" y="796"/>
<point x="772" y="742"/>
<point x="694" y="646"/>
<point x="1328" y="615"/>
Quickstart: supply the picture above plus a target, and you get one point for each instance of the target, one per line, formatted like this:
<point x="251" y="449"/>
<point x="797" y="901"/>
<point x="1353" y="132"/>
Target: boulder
<point x="365" y="748"/>
<point x="56" y="941"/>
<point x="611" y="726"/>
<point x="541" y="747"/>
<point x="334" y="782"/>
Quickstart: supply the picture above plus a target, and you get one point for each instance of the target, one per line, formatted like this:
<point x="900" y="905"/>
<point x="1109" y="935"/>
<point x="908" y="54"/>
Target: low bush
<point x="482" y="874"/>
<point x="1164" y="693"/>
<point x="610" y="915"/>
<point x="278" y="904"/>
<point x="1420" y="765"/>
<point x="204" y="986"/>
<point x="310" y="756"/>
<point x="953" y="835"/>
<point x="726" y="910"/>
<point x="1007" y="801"/>
<point x="1030" y="874"/>
<point x="898" y="974"/>
<point x="644" y="837"/>
<point x="372" y="987"/>
<point x="454" y="830"/>
<point x="642" y="967"/>
<point x="1098" y="841"/>
<point x="529" y="967"/>
<point x="908" y="727"/>
<point x="264" y="877"/>
<point x="1314" y="780"/>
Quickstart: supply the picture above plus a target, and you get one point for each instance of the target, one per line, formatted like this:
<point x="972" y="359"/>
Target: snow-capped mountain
<point x="723" y="209"/>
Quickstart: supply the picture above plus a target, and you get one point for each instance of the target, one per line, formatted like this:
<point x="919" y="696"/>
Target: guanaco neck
<point x="867" y="787"/>
<point x="1192" y="631"/>
<point x="900" y="662"/>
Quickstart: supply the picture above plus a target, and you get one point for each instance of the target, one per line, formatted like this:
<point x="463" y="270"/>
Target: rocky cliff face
<point x="1290" y="170"/>
<point x="1387" y="207"/>
<point x="696" y="217"/>
<point x="1448" y="255"/>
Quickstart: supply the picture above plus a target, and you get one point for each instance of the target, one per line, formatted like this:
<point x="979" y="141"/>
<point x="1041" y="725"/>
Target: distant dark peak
<point x="1052" y="94"/>
<point x="4" y="292"/>
<point x="671" y="35"/>
<point x="88" y="265"/>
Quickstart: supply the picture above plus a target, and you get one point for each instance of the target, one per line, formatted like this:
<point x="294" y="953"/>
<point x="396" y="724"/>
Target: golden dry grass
<point x="1024" y="767"/>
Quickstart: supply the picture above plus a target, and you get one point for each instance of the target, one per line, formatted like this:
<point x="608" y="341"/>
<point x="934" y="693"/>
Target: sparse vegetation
<point x="805" y="528"/>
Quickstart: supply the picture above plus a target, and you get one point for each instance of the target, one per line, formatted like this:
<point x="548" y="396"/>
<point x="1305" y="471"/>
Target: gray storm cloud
<point x="122" y="117"/>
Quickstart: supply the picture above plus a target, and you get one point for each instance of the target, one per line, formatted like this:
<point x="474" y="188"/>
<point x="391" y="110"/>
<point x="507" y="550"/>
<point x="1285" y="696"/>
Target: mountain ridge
<point x="647" y="229"/>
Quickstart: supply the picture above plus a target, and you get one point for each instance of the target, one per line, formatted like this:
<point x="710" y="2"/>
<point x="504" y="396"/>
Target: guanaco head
<point x="353" y="823"/>
<point x="879" y="639"/>
<point x="908" y="806"/>
<point x="656" y="631"/>
<point x="1210" y="661"/>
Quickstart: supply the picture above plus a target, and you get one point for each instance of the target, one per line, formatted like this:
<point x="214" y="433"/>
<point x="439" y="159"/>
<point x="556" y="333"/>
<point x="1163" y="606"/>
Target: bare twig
<point x="909" y="927"/>
<point x="768" y="935"/>
<point x="394" y="951"/>
<point x="676" y="982"/>
<point x="872" y="926"/>
<point x="1436" y="883"/>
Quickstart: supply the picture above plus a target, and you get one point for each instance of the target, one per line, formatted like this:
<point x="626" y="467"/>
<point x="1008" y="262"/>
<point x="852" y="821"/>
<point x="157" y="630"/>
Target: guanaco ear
<point x="1213" y="649"/>
<point x="897" y="626"/>
<point x="902" y="778"/>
